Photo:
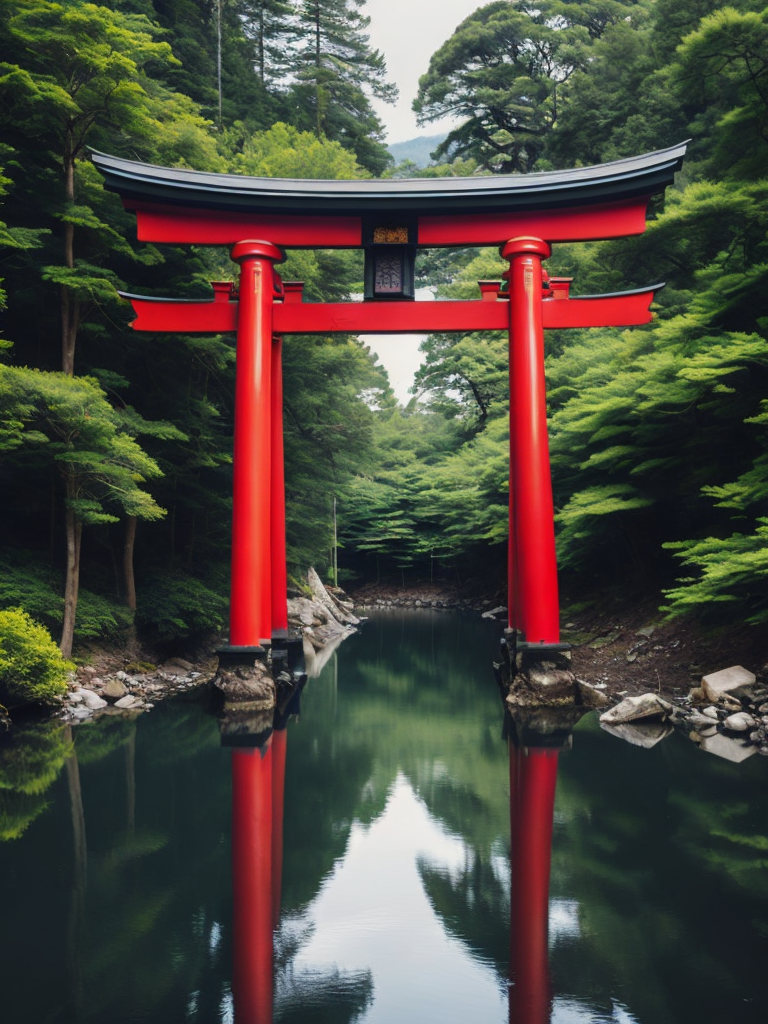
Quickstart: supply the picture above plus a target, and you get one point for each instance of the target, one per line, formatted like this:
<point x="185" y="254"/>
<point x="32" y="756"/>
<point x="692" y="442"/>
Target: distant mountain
<point x="418" y="150"/>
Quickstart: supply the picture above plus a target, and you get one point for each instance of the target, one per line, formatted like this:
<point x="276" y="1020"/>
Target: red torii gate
<point x="389" y="219"/>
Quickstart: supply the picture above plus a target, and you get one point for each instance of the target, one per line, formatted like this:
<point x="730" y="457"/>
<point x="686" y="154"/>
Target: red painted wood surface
<point x="179" y="225"/>
<point x="252" y="903"/>
<point x="279" y="575"/>
<point x="279" y="747"/>
<point x="250" y="611"/>
<point x="532" y="519"/>
<point x="585" y="223"/>
<point x="532" y="782"/>
<point x="294" y="317"/>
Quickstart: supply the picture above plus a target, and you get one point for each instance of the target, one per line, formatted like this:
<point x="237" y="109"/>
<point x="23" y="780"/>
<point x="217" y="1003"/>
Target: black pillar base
<point x="231" y="655"/>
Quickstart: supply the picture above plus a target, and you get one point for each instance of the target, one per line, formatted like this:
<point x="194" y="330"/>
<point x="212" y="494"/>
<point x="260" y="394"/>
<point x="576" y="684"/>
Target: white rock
<point x="75" y="698"/>
<point x="81" y="713"/>
<point x="646" y="705"/>
<point x="727" y="747"/>
<point x="125" y="702"/>
<point x="710" y="712"/>
<point x="92" y="700"/>
<point x="500" y="610"/>
<point x="726" y="681"/>
<point x="740" y="722"/>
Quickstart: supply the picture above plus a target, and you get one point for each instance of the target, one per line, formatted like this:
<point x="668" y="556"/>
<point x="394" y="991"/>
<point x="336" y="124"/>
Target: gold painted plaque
<point x="390" y="236"/>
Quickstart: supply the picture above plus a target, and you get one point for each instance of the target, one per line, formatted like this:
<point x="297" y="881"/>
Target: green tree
<point x="70" y="425"/>
<point x="502" y="73"/>
<point x="336" y="70"/>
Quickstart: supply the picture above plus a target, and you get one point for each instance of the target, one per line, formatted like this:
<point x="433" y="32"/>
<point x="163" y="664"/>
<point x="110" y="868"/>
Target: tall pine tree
<point x="336" y="72"/>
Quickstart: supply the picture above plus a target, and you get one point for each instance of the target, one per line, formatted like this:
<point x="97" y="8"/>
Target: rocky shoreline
<point x="322" y="617"/>
<point x="727" y="715"/>
<point x="615" y="658"/>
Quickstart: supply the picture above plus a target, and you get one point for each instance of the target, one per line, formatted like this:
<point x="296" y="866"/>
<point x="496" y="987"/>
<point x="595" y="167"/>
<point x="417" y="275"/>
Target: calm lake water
<point x="372" y="861"/>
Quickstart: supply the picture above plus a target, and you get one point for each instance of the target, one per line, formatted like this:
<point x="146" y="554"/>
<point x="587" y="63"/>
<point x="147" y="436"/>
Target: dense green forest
<point x="115" y="448"/>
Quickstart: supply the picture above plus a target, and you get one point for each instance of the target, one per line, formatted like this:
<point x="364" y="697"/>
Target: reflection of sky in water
<point x="563" y="920"/>
<point x="567" y="1011"/>
<point x="372" y="914"/>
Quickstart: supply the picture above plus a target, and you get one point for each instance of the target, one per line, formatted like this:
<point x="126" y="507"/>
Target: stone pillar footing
<point x="540" y="676"/>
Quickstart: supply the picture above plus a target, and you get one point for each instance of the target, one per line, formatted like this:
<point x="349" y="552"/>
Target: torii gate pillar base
<point x="232" y="654"/>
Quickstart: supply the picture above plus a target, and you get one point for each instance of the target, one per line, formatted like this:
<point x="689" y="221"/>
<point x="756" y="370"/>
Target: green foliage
<point x="335" y="71"/>
<point x="32" y="669"/>
<point x="69" y="423"/>
<point x="177" y="606"/>
<point x="502" y="72"/>
<point x="730" y="570"/>
<point x="100" y="617"/>
<point x="33" y="586"/>
<point x="31" y="758"/>
<point x="283" y="151"/>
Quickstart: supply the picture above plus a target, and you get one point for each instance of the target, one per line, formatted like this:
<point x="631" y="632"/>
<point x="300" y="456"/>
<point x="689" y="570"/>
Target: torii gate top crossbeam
<point x="181" y="206"/>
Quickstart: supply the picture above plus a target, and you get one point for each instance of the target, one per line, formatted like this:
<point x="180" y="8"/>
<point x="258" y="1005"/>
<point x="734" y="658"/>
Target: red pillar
<point x="532" y="544"/>
<point x="250" y="612"/>
<point x="252" y="983"/>
<point x="279" y="740"/>
<point x="532" y="777"/>
<point x="277" y="500"/>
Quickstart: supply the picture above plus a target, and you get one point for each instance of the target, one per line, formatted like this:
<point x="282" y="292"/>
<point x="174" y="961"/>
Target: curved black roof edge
<point x="571" y="298"/>
<point x="579" y="186"/>
<point x="619" y="295"/>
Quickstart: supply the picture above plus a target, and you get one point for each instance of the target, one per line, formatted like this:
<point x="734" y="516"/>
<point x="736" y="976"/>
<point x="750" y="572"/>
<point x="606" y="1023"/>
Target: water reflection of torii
<point x="258" y="783"/>
<point x="533" y="757"/>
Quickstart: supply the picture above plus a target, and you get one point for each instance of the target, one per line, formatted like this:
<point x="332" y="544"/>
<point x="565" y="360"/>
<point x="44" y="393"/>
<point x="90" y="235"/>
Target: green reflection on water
<point x="118" y="878"/>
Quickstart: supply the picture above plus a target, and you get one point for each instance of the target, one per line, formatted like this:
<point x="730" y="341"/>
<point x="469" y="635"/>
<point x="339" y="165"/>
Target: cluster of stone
<point x="424" y="599"/>
<point x="90" y="694"/>
<point x="323" y="618"/>
<point x="727" y="715"/>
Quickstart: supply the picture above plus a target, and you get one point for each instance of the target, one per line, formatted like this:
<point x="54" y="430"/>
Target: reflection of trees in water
<point x="651" y="845"/>
<point x="31" y="758"/>
<point x="316" y="995"/>
<point x="413" y="697"/>
<point x="473" y="905"/>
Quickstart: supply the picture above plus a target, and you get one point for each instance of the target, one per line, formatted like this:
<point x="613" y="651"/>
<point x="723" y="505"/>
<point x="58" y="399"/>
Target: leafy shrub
<point x="99" y="616"/>
<point x="31" y="666"/>
<point x="176" y="606"/>
<point x="32" y="584"/>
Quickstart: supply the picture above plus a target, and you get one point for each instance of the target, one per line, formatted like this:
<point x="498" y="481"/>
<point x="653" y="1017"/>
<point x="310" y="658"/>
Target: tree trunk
<point x="77" y="895"/>
<point x="261" y="43"/>
<point x="74" y="529"/>
<point x="318" y="105"/>
<point x="69" y="304"/>
<point x="130" y="579"/>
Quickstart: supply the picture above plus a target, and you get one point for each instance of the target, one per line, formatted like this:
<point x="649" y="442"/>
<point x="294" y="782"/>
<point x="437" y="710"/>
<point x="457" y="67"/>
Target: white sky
<point x="408" y="32"/>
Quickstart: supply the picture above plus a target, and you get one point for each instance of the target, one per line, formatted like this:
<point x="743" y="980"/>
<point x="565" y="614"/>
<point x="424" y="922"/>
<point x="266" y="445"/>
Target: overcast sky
<point x="408" y="32"/>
